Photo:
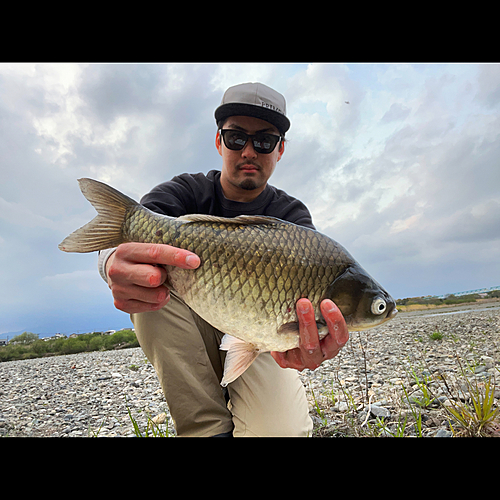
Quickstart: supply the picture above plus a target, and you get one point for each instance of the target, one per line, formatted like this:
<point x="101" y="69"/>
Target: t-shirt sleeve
<point x="174" y="197"/>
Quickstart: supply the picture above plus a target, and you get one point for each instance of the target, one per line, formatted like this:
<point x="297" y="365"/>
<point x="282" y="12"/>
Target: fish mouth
<point x="354" y="325"/>
<point x="359" y="327"/>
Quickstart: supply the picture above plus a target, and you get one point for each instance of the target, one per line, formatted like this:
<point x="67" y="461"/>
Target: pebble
<point x="381" y="363"/>
<point x="79" y="395"/>
<point x="443" y="433"/>
<point x="378" y="411"/>
<point x="341" y="406"/>
<point x="90" y="394"/>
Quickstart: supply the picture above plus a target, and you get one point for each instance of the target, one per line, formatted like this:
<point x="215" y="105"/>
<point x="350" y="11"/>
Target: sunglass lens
<point x="235" y="140"/>
<point x="265" y="143"/>
<point x="262" y="143"/>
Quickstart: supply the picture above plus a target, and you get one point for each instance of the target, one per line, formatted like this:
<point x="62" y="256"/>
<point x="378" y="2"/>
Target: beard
<point x="248" y="185"/>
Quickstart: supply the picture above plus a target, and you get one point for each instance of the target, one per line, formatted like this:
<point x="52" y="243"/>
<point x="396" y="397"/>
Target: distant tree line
<point x="28" y="345"/>
<point x="448" y="300"/>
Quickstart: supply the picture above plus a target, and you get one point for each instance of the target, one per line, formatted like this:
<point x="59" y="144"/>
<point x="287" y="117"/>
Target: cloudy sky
<point x="406" y="176"/>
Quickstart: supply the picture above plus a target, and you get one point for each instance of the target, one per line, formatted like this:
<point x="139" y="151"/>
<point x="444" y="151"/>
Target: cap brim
<point x="281" y="122"/>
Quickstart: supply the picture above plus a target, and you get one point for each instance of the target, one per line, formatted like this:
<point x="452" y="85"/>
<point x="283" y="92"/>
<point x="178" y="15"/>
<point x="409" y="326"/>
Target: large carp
<point x="253" y="270"/>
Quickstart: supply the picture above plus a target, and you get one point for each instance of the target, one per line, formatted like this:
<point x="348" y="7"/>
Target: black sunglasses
<point x="263" y="143"/>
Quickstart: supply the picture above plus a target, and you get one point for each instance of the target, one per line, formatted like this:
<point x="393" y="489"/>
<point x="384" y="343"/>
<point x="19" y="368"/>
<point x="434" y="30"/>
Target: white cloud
<point x="488" y="92"/>
<point x="20" y="216"/>
<point x="404" y="224"/>
<point x="397" y="111"/>
<point x="406" y="175"/>
<point x="84" y="280"/>
<point x="226" y="75"/>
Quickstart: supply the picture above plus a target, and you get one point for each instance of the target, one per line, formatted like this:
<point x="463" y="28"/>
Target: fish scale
<point x="271" y="265"/>
<point x="253" y="270"/>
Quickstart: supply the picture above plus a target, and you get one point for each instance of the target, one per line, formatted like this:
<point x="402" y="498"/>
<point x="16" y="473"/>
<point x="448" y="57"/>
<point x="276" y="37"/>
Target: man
<point x="266" y="400"/>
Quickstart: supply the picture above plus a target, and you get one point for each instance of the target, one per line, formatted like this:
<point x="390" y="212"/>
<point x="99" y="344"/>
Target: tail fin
<point x="105" y="230"/>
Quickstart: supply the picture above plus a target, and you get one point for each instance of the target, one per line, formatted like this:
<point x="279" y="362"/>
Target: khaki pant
<point x="266" y="400"/>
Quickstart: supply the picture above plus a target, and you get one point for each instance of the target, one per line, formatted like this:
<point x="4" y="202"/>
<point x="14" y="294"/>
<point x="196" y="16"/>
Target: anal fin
<point x="240" y="355"/>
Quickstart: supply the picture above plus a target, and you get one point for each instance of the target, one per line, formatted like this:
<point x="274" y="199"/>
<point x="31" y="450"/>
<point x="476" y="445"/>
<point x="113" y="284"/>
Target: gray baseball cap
<point x="257" y="100"/>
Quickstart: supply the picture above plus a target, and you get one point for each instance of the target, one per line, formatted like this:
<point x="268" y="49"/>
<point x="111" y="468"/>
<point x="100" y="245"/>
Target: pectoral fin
<point x="293" y="327"/>
<point x="240" y="355"/>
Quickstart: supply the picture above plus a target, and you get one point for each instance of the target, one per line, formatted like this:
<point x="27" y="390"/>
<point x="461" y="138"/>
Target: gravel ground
<point x="369" y="377"/>
<point x="89" y="394"/>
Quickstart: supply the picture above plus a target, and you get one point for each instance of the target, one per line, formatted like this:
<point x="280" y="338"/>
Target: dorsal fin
<point x="241" y="219"/>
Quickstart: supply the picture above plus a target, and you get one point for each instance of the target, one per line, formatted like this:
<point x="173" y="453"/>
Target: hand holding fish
<point x="136" y="274"/>
<point x="311" y="351"/>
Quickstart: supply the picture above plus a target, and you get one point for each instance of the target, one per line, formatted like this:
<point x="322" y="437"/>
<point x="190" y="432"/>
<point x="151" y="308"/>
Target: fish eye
<point x="379" y="306"/>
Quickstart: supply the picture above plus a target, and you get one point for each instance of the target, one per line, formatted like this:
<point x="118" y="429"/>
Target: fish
<point x="253" y="270"/>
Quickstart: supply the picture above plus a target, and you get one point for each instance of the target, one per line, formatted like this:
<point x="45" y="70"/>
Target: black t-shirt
<point x="202" y="194"/>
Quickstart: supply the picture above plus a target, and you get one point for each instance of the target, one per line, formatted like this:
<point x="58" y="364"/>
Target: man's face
<point x="245" y="173"/>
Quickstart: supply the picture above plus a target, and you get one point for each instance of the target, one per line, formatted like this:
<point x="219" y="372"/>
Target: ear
<point x="218" y="144"/>
<point x="281" y="150"/>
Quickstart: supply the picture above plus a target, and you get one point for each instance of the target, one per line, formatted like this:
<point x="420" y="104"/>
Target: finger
<point x="152" y="253"/>
<point x="309" y="340"/>
<point x="133" y="306"/>
<point x="145" y="275"/>
<point x="289" y="359"/>
<point x="337" y="328"/>
<point x="279" y="357"/>
<point x="335" y="321"/>
<point x="149" y="276"/>
<point x="158" y="295"/>
<point x="157" y="277"/>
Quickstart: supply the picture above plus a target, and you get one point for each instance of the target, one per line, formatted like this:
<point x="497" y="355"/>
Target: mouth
<point x="356" y="325"/>
<point x="248" y="168"/>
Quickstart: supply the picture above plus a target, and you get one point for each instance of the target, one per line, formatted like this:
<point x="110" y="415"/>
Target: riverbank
<point x="359" y="393"/>
<point x="409" y="372"/>
<point x="478" y="304"/>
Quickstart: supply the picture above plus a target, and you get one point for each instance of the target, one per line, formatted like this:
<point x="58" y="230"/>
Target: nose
<point x="248" y="151"/>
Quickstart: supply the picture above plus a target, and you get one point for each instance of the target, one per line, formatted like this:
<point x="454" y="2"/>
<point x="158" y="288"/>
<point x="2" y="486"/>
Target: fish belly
<point x="231" y="314"/>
